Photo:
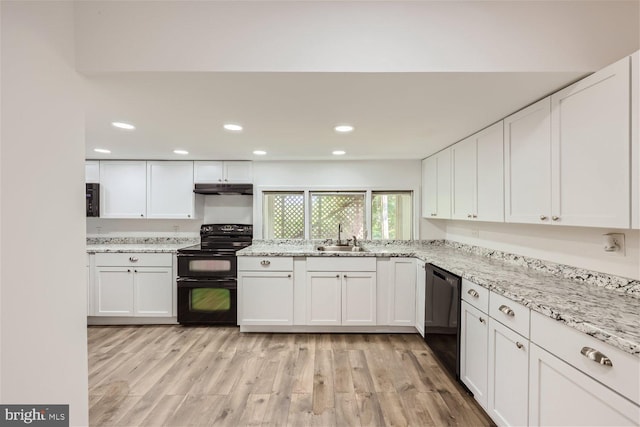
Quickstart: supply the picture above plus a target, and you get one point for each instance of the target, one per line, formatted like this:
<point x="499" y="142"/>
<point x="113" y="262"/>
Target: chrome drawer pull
<point x="519" y="345"/>
<point x="506" y="310"/>
<point x="596" y="356"/>
<point x="265" y="262"/>
<point x="481" y="319"/>
<point x="133" y="259"/>
<point x="473" y="293"/>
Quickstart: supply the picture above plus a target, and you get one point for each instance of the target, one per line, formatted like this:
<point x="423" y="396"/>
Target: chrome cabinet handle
<point x="289" y="276"/>
<point x="519" y="344"/>
<point x="474" y="216"/>
<point x="337" y="276"/>
<point x="133" y="259"/>
<point x="265" y="262"/>
<point x="506" y="310"/>
<point x="543" y="217"/>
<point x="481" y="319"/>
<point x="345" y="276"/>
<point x="128" y="270"/>
<point x="433" y="214"/>
<point x="555" y="218"/>
<point x="473" y="293"/>
<point x="468" y="215"/>
<point x="596" y="356"/>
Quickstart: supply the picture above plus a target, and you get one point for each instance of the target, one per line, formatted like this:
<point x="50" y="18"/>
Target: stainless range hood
<point x="221" y="188"/>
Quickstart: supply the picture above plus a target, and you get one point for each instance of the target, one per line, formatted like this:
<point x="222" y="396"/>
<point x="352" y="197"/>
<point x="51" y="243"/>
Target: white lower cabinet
<point x="421" y="285"/>
<point x="341" y="298"/>
<point x="265" y="291"/>
<point x="474" y="335"/>
<point x="402" y="292"/>
<point x="265" y="298"/>
<point x="561" y="395"/>
<point x="135" y="285"/>
<point x="508" y="373"/>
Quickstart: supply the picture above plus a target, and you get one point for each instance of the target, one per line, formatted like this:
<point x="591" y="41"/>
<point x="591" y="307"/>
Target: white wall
<point x="43" y="308"/>
<point x="575" y="246"/>
<point x="354" y="35"/>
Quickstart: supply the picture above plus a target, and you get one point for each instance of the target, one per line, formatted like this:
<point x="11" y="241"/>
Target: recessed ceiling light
<point x="339" y="152"/>
<point x="343" y="128"/>
<point x="183" y="152"/>
<point x="259" y="152"/>
<point x="232" y="127"/>
<point x="102" y="150"/>
<point x="121" y="125"/>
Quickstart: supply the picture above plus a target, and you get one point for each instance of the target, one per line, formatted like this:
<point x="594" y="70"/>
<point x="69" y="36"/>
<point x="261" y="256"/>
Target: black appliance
<point x="207" y="275"/>
<point x="93" y="200"/>
<point x="442" y="317"/>
<point x="223" y="188"/>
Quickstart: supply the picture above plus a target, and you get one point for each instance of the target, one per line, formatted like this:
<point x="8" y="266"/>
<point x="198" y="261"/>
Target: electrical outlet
<point x="614" y="243"/>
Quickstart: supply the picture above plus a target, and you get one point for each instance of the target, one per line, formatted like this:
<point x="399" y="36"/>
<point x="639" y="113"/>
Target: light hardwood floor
<point x="197" y="376"/>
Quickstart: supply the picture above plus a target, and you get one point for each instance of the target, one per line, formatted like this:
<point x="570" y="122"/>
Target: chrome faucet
<point x="339" y="231"/>
<point x="355" y="242"/>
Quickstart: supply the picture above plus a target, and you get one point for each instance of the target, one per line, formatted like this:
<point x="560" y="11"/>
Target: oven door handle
<point x="188" y="282"/>
<point x="231" y="254"/>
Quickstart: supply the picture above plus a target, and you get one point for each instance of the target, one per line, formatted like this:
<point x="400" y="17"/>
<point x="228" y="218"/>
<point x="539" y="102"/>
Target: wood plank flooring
<point x="216" y="376"/>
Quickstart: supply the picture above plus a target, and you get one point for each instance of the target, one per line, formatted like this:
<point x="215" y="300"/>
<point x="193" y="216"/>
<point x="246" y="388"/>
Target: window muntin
<point x="328" y="209"/>
<point x="283" y="215"/>
<point x="391" y="215"/>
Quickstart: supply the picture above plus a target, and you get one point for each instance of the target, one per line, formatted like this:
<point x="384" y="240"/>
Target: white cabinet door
<point x="527" y="153"/>
<point x="421" y="278"/>
<point x="238" y="172"/>
<point x="208" y="172"/>
<point x="591" y="150"/>
<point x="359" y="298"/>
<point x="113" y="291"/>
<point x="265" y="298"/>
<point x="170" y="190"/>
<point x="153" y="291"/>
<point x="123" y="189"/>
<point x="401" y="300"/>
<point x="563" y="396"/>
<point x="429" y="187"/>
<point x="463" y="183"/>
<point x="490" y="173"/>
<point x="436" y="185"/>
<point x="508" y="400"/>
<point x="92" y="171"/>
<point x="474" y="336"/>
<point x="324" y="298"/>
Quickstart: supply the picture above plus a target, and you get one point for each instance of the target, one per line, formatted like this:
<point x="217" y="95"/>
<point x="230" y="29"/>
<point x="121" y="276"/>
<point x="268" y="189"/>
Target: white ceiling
<point x="292" y="115"/>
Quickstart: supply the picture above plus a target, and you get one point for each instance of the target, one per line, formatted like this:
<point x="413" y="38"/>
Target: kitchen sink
<point x="341" y="248"/>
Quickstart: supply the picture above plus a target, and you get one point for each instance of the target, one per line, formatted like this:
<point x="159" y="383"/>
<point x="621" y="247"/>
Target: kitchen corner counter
<point x="138" y="248"/>
<point x="602" y="306"/>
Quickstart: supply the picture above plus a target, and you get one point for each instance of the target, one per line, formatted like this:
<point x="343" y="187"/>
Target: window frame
<point x="307" y="190"/>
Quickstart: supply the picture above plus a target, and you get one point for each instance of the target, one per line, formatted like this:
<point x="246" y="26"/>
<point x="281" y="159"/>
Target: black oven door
<point x="210" y="265"/>
<point x="207" y="301"/>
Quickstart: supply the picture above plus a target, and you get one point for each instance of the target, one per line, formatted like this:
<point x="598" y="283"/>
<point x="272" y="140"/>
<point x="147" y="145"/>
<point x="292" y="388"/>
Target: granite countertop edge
<point x="610" y="334"/>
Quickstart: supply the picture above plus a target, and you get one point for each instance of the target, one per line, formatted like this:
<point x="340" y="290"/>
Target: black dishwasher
<point x="442" y="317"/>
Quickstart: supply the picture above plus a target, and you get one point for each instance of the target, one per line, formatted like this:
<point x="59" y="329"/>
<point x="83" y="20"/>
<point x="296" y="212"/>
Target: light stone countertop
<point x="134" y="247"/>
<point x="139" y="244"/>
<point x="602" y="306"/>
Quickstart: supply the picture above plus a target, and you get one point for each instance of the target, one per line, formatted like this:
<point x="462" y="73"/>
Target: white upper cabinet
<point x="209" y="172"/>
<point x="170" y="190"/>
<point x="527" y="166"/>
<point x="463" y="184"/>
<point x="436" y="185"/>
<point x="590" y="150"/>
<point x="92" y="171"/>
<point x="478" y="178"/>
<point x="123" y="189"/>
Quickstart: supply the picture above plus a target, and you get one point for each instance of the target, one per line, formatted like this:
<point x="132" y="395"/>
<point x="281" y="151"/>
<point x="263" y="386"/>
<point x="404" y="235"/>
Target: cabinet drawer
<point x="139" y="259"/>
<point x="475" y="295"/>
<point x="509" y="313"/>
<point x="341" y="264"/>
<point x="265" y="263"/>
<point x="567" y="343"/>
